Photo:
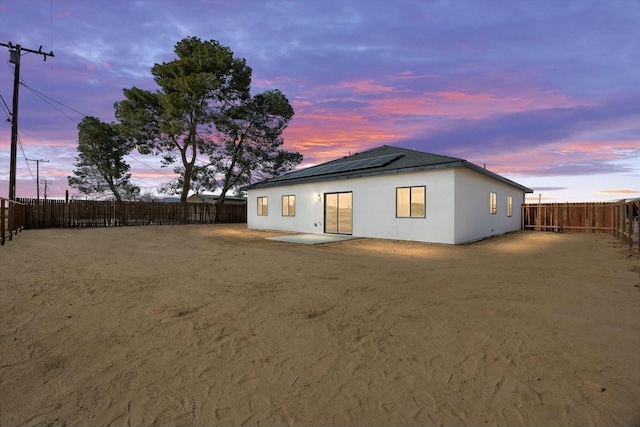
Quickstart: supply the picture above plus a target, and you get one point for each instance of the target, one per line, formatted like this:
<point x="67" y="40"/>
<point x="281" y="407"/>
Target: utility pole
<point x="46" y="183"/>
<point x="15" y="52"/>
<point x="38" y="175"/>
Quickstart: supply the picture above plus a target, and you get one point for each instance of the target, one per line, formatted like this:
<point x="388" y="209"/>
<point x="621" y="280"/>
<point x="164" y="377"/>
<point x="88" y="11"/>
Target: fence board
<point x="578" y="217"/>
<point x="89" y="213"/>
<point x="12" y="219"/>
<point x="617" y="218"/>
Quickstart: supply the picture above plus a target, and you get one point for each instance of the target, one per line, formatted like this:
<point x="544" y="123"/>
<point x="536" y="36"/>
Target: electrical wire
<point x="43" y="96"/>
<point x="25" y="159"/>
<point x="55" y="147"/>
<point x="126" y="155"/>
<point x="150" y="167"/>
<point x="5" y="108"/>
<point x="46" y="99"/>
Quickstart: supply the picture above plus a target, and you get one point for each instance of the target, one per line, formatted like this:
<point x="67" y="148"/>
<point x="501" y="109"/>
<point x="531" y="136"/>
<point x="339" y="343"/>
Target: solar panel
<point x="351" y="165"/>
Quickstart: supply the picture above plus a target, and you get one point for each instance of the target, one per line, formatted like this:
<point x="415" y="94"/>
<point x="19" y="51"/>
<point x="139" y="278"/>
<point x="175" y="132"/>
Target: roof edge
<point x="494" y="175"/>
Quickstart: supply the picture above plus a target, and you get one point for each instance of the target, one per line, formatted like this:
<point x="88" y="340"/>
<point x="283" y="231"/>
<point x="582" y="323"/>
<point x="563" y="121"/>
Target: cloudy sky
<point x="544" y="92"/>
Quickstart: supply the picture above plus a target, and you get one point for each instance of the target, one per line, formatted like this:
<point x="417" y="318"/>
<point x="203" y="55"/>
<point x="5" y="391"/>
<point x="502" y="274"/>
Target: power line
<point x="150" y="167"/>
<point x="5" y="108"/>
<point x="37" y="139"/>
<point x="43" y="96"/>
<point x="25" y="157"/>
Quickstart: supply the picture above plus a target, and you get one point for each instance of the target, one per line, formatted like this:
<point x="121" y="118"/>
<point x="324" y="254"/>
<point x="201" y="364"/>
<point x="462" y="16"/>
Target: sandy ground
<point x="214" y="325"/>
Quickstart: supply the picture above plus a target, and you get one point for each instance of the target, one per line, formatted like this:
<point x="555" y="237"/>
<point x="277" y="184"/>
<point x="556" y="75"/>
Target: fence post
<point x="630" y="222"/>
<point x="637" y="220"/>
<point x="2" y="219"/>
<point x="66" y="218"/>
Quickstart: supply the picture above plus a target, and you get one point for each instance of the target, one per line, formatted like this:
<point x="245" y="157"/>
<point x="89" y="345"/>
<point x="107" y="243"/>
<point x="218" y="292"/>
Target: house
<point x="170" y="200"/>
<point x="390" y="193"/>
<point x="213" y="198"/>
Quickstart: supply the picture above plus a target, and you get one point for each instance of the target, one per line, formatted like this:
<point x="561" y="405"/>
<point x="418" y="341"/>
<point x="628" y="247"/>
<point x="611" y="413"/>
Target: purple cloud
<point x="531" y="88"/>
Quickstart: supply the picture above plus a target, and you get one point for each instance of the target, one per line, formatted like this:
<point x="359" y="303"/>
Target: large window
<point x="410" y="202"/>
<point x="493" y="203"/>
<point x="288" y="205"/>
<point x="263" y="206"/>
<point x="509" y="206"/>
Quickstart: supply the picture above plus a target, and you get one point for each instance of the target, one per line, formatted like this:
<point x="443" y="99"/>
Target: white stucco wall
<point x="375" y="208"/>
<point x="451" y="216"/>
<point x="473" y="218"/>
<point x="309" y="215"/>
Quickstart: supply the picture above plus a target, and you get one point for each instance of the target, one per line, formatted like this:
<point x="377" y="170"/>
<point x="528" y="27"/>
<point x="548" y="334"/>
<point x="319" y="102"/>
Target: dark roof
<point x="377" y="161"/>
<point x="215" y="197"/>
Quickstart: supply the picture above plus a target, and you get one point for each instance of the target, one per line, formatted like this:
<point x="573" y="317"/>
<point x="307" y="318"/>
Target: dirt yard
<point x="214" y="325"/>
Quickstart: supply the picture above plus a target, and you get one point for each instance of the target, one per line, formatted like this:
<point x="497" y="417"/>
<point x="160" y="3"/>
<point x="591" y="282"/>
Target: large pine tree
<point x="100" y="168"/>
<point x="204" y="106"/>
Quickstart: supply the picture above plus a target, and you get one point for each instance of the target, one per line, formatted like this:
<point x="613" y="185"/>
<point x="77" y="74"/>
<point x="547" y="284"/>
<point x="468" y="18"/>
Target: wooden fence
<point x="89" y="213"/>
<point x="574" y="217"/>
<point x="12" y="219"/>
<point x="626" y="224"/>
<point x="617" y="218"/>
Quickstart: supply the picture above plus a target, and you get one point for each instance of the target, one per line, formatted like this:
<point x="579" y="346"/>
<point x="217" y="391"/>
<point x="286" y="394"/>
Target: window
<point x="288" y="205"/>
<point x="509" y="206"/>
<point x="410" y="202"/>
<point x="493" y="208"/>
<point x="263" y="206"/>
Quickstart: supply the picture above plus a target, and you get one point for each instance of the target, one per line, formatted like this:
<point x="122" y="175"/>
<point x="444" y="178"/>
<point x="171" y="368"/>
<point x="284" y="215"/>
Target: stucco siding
<point x="374" y="207"/>
<point x="473" y="219"/>
<point x="309" y="210"/>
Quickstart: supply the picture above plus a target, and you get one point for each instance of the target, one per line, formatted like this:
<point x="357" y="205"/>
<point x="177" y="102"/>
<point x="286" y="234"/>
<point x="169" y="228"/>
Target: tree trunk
<point x="188" y="169"/>
<point x="218" y="205"/>
<point x="113" y="188"/>
<point x="186" y="182"/>
<point x="223" y="195"/>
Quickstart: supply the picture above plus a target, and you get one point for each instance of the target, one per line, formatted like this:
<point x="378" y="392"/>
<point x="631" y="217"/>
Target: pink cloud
<point x="322" y="135"/>
<point x="322" y="128"/>
<point x="364" y="86"/>
<point x="408" y="75"/>
<point x="553" y="159"/>
<point x="89" y="67"/>
<point x="534" y="198"/>
<point x="331" y="127"/>
<point x="621" y="192"/>
<point x="139" y="172"/>
<point x="46" y="172"/>
<point x="461" y="105"/>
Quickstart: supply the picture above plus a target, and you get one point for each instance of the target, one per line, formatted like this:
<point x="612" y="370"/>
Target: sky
<point x="543" y="92"/>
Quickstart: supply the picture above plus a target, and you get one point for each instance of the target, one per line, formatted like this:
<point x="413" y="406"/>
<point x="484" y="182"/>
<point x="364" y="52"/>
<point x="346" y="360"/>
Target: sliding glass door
<point x="338" y="213"/>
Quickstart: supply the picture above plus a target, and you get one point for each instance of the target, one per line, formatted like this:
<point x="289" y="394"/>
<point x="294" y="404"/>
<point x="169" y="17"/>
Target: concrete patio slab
<point x="312" y="239"/>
